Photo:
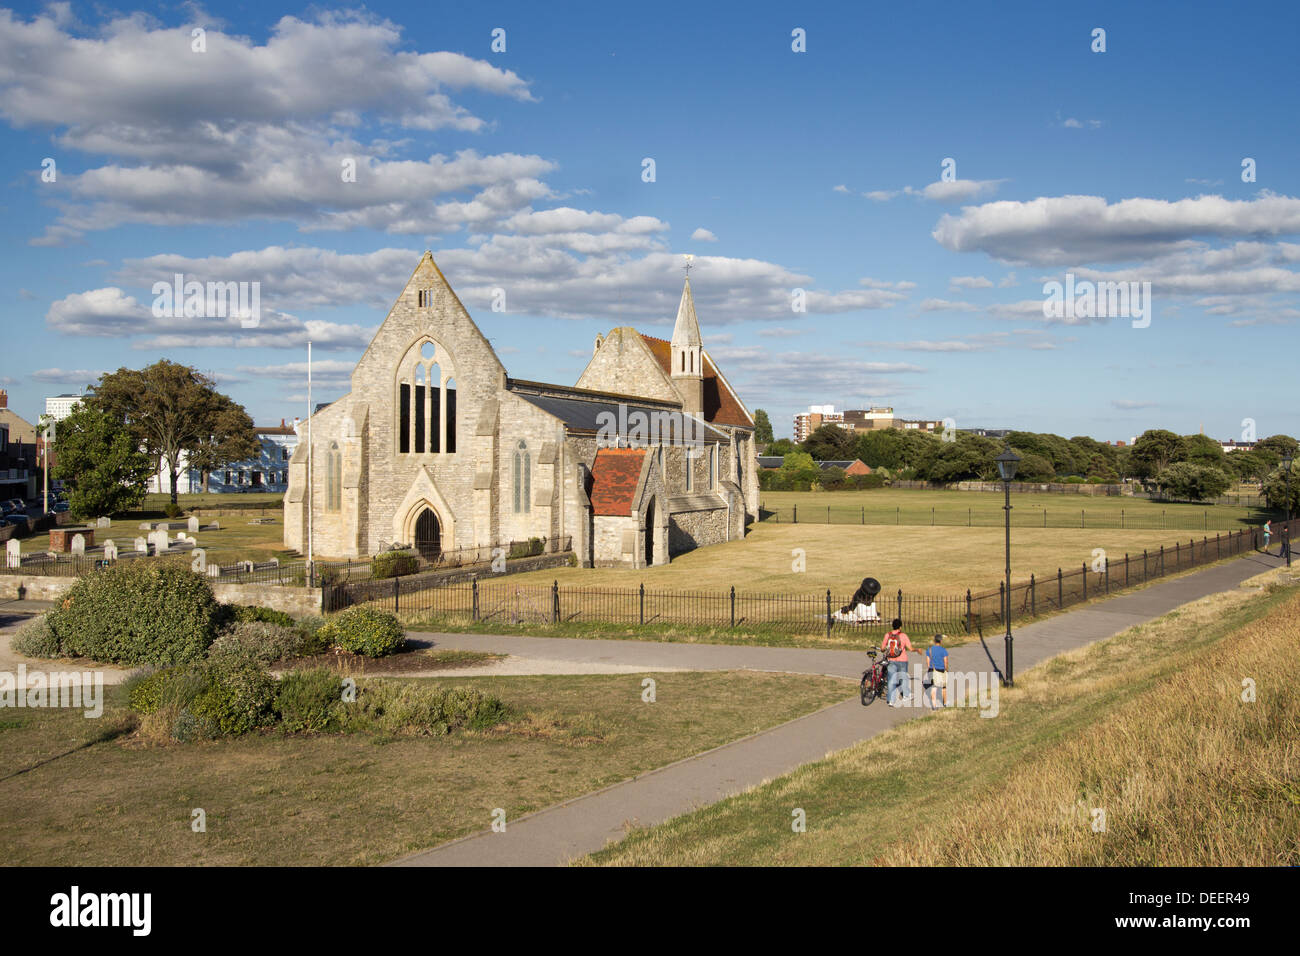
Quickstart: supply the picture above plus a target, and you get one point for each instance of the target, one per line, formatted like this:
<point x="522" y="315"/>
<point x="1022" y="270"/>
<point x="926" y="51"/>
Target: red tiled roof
<point x="614" y="475"/>
<point x="721" y="407"/>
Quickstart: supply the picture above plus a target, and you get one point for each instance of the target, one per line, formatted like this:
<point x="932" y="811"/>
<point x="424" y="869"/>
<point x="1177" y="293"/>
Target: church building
<point x="437" y="448"/>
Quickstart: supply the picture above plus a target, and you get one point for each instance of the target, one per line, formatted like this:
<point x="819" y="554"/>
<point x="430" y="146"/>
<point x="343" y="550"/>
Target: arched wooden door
<point x="428" y="536"/>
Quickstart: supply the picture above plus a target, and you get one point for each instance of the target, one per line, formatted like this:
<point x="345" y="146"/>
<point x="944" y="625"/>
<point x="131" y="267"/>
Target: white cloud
<point x="60" y="376"/>
<point x="882" y="195"/>
<point x="945" y="305"/>
<point x="1129" y="404"/>
<point x="970" y="282"/>
<point x="703" y="235"/>
<point x="957" y="190"/>
<point x="1069" y="230"/>
<point x="841" y="188"/>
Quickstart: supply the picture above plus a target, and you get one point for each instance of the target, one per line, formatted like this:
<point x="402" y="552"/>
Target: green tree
<point x="1279" y="445"/>
<point x="1154" y="451"/>
<point x="968" y="458"/>
<point x="782" y="446"/>
<point x="829" y="443"/>
<point x="799" y="466"/>
<point x="233" y="438"/>
<point x="1278" y="486"/>
<point x="1192" y="482"/>
<point x="1034" y="467"/>
<point x="762" y="427"/>
<point x="100" y="463"/>
<point x="172" y="410"/>
<point x="1202" y="450"/>
<point x="1253" y="465"/>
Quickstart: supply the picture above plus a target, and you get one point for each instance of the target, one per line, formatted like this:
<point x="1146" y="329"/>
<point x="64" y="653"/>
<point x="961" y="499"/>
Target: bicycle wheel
<point x="867" y="689"/>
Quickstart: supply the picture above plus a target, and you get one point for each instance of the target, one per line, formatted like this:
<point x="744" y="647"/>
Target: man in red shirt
<point x="896" y="645"/>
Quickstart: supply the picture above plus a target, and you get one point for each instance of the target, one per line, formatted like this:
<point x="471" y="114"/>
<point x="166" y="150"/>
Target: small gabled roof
<point x="615" y="474"/>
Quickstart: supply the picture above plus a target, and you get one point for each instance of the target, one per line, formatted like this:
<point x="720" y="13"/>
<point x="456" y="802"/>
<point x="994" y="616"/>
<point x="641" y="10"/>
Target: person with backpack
<point x="936" y="662"/>
<point x="895" y="646"/>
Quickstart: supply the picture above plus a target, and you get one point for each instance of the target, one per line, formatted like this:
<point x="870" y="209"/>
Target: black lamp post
<point x="1007" y="462"/>
<point x="1286" y="528"/>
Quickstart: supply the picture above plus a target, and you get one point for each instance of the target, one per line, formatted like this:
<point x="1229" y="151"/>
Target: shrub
<point x="363" y="630"/>
<point x="246" y="612"/>
<point x="402" y="709"/>
<point x="310" y="628"/>
<point x="150" y="692"/>
<point x="237" y="697"/>
<point x="172" y="510"/>
<point x="35" y="638"/>
<point x="393" y="564"/>
<point x="309" y="700"/>
<point x="258" y="642"/>
<point x="138" y="612"/>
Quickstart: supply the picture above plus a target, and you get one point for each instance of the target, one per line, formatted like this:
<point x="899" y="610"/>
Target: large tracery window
<point x="426" y="401"/>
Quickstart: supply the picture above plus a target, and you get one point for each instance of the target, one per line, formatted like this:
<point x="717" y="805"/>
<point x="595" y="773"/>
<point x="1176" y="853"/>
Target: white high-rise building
<point x="60" y="407"/>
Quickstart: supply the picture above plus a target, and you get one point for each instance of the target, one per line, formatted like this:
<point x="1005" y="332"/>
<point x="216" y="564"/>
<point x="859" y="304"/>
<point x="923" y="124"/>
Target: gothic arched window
<point x="522" y="483"/>
<point x="425" y="419"/>
<point x="333" y="478"/>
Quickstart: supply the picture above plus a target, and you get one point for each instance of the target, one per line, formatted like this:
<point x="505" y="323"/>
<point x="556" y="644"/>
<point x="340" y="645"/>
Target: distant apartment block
<point x="60" y="407"/>
<point x="805" y="423"/>
<point x="269" y="471"/>
<point x="1237" y="445"/>
<point x="858" y="420"/>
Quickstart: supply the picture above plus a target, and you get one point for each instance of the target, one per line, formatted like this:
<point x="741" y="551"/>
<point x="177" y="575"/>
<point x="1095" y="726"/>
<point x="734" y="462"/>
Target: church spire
<point x="686" y="352"/>
<point x="686" y="333"/>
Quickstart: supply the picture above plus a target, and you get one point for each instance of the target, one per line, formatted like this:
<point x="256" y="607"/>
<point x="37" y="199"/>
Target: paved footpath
<point x="587" y="823"/>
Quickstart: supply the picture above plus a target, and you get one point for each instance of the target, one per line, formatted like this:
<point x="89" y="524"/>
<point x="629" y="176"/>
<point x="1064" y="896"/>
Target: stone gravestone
<point x="192" y="526"/>
<point x="181" y="536"/>
<point x="215" y="526"/>
<point x="146" y="526"/>
<point x="78" y="544"/>
<point x="142" y="545"/>
<point x="110" y="550"/>
<point x="104" y="523"/>
<point x="13" y="553"/>
<point x="159" y="541"/>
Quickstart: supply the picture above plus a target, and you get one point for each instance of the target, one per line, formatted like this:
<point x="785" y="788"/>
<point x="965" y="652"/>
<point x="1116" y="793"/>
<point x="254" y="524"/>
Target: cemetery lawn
<point x="79" y="792"/>
<point x="237" y="540"/>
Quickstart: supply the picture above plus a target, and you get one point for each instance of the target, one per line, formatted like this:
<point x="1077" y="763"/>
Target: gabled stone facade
<point x="436" y="447"/>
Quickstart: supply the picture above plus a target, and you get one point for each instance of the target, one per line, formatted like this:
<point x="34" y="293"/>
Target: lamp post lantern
<point x="1007" y="462"/>
<point x="1286" y="528"/>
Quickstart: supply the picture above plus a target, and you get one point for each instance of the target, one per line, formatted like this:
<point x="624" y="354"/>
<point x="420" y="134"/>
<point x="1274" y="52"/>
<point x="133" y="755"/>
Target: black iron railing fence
<point x="1022" y="516"/>
<point x="499" y="602"/>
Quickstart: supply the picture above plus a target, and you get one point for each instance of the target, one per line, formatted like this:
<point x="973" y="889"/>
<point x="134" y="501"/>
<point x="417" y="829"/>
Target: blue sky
<point x="818" y="170"/>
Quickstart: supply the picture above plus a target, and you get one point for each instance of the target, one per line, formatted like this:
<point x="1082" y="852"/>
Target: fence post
<point x="1144" y="564"/>
<point x="864" y="514"/>
<point x="1085" y="580"/>
<point x="1059" y="590"/>
<point x="1162" y="560"/>
<point x="1178" y="555"/>
<point x="1121" y="519"/>
<point x="968" y="610"/>
<point x="1082" y="515"/>
<point x="795" y="519"/>
<point x="1106" y="568"/>
<point x="968" y="517"/>
<point x="931" y="516"/>
<point x="1033" y="598"/>
<point x="642" y="611"/>
<point x="828" y="514"/>
<point x="555" y="602"/>
<point x="396" y="580"/>
<point x="1044" y="517"/>
<point x="733" y="605"/>
<point x="899" y="615"/>
<point x="898" y="515"/>
<point x="1206" y="515"/>
<point x="828" y="614"/>
<point x="1216" y="544"/>
<point x="475" y="589"/>
<point x="1125" y="569"/>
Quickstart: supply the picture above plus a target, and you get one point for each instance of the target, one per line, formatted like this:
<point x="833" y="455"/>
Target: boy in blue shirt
<point x="936" y="660"/>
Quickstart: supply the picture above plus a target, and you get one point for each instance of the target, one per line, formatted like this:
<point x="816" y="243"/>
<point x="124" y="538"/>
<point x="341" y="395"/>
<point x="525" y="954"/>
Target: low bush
<point x="203" y="701"/>
<point x="366" y="631"/>
<point x="172" y="511"/>
<point x="35" y="638"/>
<point x="313" y="642"/>
<point x="403" y="709"/>
<point x="392" y="564"/>
<point x="259" y="642"/>
<point x="309" y="700"/>
<point x="138" y="612"/>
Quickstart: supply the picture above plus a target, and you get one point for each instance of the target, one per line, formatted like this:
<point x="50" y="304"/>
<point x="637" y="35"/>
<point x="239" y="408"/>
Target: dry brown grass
<point x="1148" y="726"/>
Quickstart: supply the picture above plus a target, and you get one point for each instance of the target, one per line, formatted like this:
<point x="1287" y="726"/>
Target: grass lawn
<point x="210" y="499"/>
<point x="1149" y="727"/>
<point x="85" y="792"/>
<point x="907" y="506"/>
<point x="927" y="560"/>
<point x="238" y="539"/>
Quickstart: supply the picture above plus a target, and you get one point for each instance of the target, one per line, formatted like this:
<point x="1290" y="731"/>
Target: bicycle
<point x="874" y="679"/>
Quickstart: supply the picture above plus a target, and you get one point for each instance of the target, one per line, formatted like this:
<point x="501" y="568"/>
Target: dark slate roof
<point x="823" y="465"/>
<point x="614" y="476"/>
<point x="770" y="461"/>
<point x="583" y="414"/>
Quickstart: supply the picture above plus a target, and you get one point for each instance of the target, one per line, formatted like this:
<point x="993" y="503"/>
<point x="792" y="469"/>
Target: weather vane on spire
<point x="689" y="257"/>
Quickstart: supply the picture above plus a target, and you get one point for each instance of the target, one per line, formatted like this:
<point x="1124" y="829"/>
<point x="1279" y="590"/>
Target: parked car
<point x="13" y="518"/>
<point x="60" y="507"/>
<point x="19" y="504"/>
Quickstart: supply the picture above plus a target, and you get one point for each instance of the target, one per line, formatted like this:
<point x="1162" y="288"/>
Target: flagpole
<point x="310" y="569"/>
